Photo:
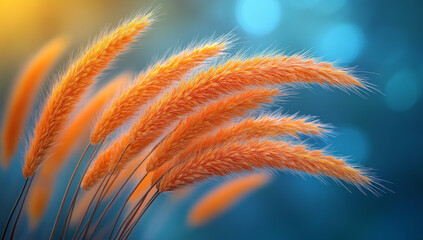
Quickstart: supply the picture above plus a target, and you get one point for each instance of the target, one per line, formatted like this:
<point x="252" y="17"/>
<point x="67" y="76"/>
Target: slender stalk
<point x="125" y="235"/>
<point x="140" y="202"/>
<point x="117" y="194"/>
<point x="77" y="235"/>
<point x="75" y="195"/>
<point x="124" y="205"/>
<point x="136" y="208"/>
<point x="102" y="191"/>
<point x="13" y="209"/>
<point x="121" y="188"/>
<point x="130" y="215"/>
<point x="105" y="210"/>
<point x="99" y="200"/>
<point x="21" y="207"/>
<point x="66" y="193"/>
<point x="92" y="155"/>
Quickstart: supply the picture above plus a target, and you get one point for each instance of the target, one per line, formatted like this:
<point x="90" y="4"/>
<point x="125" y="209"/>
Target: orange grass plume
<point x="74" y="83"/>
<point x="48" y="172"/>
<point x="205" y="86"/>
<point x="225" y="196"/>
<point x="250" y="128"/>
<point x="234" y="75"/>
<point x="80" y="124"/>
<point x="256" y="154"/>
<point x="150" y="84"/>
<point x="24" y="93"/>
<point x="208" y="119"/>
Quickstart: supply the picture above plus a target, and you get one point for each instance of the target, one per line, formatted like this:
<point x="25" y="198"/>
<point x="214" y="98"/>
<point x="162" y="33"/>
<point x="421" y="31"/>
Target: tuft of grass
<point x="237" y="157"/>
<point x="149" y="84"/>
<point x="74" y="83"/>
<point x="234" y="75"/>
<point x="207" y="119"/>
<point x="59" y="153"/>
<point x="186" y="135"/>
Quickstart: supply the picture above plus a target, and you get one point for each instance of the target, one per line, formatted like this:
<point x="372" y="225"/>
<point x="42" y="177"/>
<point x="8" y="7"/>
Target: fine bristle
<point x="74" y="83"/>
<point x="235" y="75"/>
<point x="79" y="126"/>
<point x="250" y="128"/>
<point x="239" y="157"/>
<point x="75" y="131"/>
<point x="207" y="119"/>
<point x="149" y="84"/>
<point x="24" y="93"/>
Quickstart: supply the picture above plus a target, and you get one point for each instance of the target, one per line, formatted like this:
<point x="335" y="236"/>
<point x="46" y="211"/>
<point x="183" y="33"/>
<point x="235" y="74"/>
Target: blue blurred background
<point x="381" y="39"/>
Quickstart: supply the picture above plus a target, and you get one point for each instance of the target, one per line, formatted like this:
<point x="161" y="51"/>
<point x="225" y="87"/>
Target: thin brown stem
<point x="77" y="235"/>
<point x="66" y="193"/>
<point x="102" y="191"/>
<point x="75" y="196"/>
<point x="125" y="232"/>
<point x="124" y="205"/>
<point x="92" y="155"/>
<point x="14" y="209"/>
<point x="21" y="207"/>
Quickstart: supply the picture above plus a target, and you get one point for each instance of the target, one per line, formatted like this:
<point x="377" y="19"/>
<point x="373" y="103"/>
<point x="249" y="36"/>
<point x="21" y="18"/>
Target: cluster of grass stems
<point x="188" y="120"/>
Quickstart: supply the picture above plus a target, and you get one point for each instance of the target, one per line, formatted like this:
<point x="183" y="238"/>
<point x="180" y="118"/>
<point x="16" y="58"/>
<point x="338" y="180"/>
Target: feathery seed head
<point x="251" y="128"/>
<point x="208" y="119"/>
<point x="240" y="157"/>
<point x="150" y="84"/>
<point x="79" y="126"/>
<point x="234" y="75"/>
<point x="73" y="85"/>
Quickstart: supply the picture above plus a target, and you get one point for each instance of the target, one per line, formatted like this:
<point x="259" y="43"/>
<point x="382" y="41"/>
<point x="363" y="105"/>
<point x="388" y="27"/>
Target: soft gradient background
<point x="383" y="131"/>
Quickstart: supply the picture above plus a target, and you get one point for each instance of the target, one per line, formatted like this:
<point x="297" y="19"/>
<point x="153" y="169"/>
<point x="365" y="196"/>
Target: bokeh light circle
<point x="258" y="17"/>
<point x="304" y="3"/>
<point x="342" y="42"/>
<point x="402" y="91"/>
<point x="330" y="6"/>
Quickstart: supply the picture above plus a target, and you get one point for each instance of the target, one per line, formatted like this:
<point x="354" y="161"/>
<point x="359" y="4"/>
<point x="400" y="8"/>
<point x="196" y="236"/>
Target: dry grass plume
<point x="74" y="83"/>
